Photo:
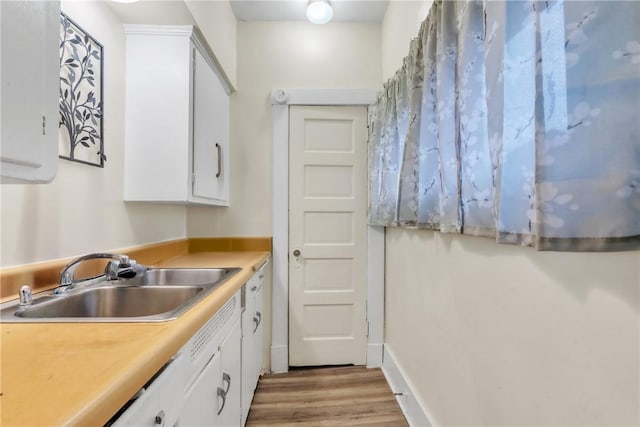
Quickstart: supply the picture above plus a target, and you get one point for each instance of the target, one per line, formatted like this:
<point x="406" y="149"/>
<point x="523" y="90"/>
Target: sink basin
<point x="180" y="276"/>
<point x="115" y="301"/>
<point x="158" y="295"/>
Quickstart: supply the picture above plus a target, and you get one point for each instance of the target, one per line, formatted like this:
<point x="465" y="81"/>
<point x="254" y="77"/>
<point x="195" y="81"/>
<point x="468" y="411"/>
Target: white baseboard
<point x="414" y="413"/>
<point x="374" y="355"/>
<point x="279" y="358"/>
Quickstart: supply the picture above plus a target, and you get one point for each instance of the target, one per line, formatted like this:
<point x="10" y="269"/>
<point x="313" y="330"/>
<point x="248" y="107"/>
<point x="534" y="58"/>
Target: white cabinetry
<point x="200" y="399"/>
<point x="248" y="353"/>
<point x="211" y="380"/>
<point x="177" y="118"/>
<point x="214" y="397"/>
<point x="229" y="391"/>
<point x="258" y="333"/>
<point x="156" y="404"/>
<point x="29" y="90"/>
<point x="258" y="325"/>
<point x="252" y="338"/>
<point x="201" y="384"/>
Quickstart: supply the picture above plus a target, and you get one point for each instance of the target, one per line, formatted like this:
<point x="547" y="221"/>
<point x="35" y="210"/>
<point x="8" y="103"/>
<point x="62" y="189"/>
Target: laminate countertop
<point x="82" y="373"/>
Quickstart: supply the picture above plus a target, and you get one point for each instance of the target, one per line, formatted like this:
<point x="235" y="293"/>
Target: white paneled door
<point x="327" y="235"/>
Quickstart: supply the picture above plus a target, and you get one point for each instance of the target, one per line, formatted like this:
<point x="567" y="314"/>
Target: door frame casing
<point x="281" y="100"/>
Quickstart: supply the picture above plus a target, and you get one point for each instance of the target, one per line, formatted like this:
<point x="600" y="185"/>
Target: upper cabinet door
<point x="29" y="91"/>
<point x="210" y="131"/>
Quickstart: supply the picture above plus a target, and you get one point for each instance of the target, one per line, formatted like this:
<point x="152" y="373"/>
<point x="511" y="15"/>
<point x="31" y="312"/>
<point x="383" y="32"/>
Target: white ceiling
<point x="294" y="10"/>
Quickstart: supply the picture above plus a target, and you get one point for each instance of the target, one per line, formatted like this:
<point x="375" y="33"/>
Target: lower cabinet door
<point x="157" y="404"/>
<point x="258" y="341"/>
<point x="201" y="404"/>
<point x="248" y="357"/>
<point x="229" y="410"/>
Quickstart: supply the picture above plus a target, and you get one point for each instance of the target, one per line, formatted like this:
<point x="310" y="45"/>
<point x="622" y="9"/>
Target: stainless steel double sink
<point x="158" y="295"/>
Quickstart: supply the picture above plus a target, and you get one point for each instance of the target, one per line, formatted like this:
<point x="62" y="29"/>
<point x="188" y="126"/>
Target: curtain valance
<point x="518" y="120"/>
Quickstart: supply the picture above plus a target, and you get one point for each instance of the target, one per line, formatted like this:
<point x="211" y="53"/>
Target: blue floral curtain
<point x="518" y="120"/>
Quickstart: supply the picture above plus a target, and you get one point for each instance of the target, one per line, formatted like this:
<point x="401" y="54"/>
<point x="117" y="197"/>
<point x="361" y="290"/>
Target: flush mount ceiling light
<point x="124" y="1"/>
<point x="319" y="11"/>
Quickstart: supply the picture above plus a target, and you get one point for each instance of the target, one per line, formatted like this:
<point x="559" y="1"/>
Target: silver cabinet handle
<point x="159" y="420"/>
<point x="226" y="377"/>
<point x="219" y="147"/>
<point x="223" y="392"/>
<point x="257" y="320"/>
<point x="223" y="395"/>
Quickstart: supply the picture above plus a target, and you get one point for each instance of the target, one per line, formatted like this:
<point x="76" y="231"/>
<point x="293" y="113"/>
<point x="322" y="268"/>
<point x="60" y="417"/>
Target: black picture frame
<point x="81" y="91"/>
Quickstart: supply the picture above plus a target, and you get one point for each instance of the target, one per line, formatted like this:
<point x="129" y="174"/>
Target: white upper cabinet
<point x="29" y="91"/>
<point x="177" y="118"/>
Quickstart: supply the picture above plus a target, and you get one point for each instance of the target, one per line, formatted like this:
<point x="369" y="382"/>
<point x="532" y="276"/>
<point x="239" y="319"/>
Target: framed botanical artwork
<point x="81" y="136"/>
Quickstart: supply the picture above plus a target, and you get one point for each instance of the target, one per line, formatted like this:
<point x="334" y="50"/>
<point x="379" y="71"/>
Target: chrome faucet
<point x="120" y="267"/>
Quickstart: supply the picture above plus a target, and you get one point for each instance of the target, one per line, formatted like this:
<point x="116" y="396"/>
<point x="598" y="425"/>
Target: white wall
<point x="502" y="335"/>
<point x="218" y="24"/>
<point x="214" y="18"/>
<point x="287" y="55"/>
<point x="401" y="23"/>
<point x="498" y="335"/>
<point x="82" y="210"/>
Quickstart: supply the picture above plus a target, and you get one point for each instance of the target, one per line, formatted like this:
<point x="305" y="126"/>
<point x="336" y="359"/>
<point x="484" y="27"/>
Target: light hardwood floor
<point x="328" y="396"/>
